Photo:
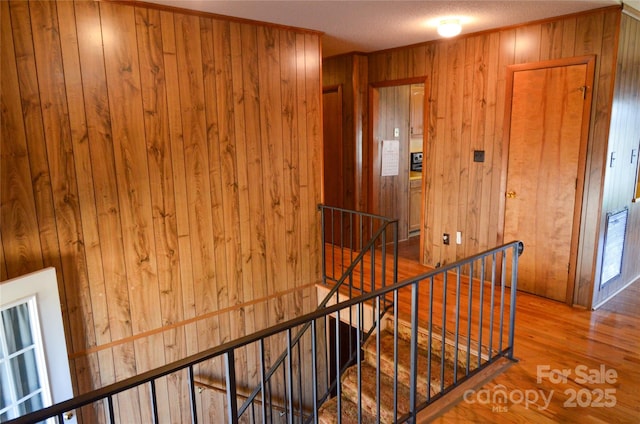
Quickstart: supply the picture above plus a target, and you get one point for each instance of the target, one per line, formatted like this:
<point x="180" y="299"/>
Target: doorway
<point x="546" y="130"/>
<point x="397" y="110"/>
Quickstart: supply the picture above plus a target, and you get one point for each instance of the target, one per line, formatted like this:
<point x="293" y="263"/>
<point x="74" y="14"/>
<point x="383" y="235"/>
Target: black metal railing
<point x="352" y="243"/>
<point x="464" y="310"/>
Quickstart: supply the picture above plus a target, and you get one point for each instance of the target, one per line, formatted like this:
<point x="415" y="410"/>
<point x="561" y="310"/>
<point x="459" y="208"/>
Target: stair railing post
<point x="232" y="399"/>
<point x="323" y="246"/>
<point x="517" y="250"/>
<point x="480" y="317"/>
<point x="192" y="397"/>
<point x="314" y="371"/>
<point x="413" y="378"/>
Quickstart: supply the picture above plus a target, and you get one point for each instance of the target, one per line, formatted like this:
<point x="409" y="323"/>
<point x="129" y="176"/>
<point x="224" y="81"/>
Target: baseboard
<point x="614" y="294"/>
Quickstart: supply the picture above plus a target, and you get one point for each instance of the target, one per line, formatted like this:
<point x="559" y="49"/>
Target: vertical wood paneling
<point x="313" y="110"/>
<point x="272" y="163"/>
<point x="86" y="198"/>
<point x="256" y="271"/>
<point x="168" y="166"/>
<point x="290" y="158"/>
<point x="100" y="142"/>
<point x="134" y="193"/>
<point x="122" y="68"/>
<point x="59" y="153"/>
<point x="174" y="118"/>
<point x="551" y="40"/>
<point x="153" y="91"/>
<point x="185" y="340"/>
<point x="528" y="39"/>
<point x="36" y="145"/>
<point x="494" y="106"/>
<point x="452" y="168"/>
<point x="467" y="139"/>
<point x="247" y="375"/>
<point x="466" y="112"/>
<point x="478" y="187"/>
<point x="597" y="148"/>
<point x="21" y="243"/>
<point x="624" y="137"/>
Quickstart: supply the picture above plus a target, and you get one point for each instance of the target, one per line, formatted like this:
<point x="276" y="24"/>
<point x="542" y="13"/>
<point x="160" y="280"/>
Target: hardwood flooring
<point x="410" y="248"/>
<point x="553" y="340"/>
<point x="574" y="365"/>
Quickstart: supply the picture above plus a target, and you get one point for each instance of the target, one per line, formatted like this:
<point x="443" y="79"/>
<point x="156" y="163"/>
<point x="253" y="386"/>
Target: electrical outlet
<point x="445" y="238"/>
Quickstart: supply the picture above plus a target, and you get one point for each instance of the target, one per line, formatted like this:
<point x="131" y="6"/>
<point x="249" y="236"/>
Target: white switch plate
<point x="458" y="237"/>
<point x="396" y="132"/>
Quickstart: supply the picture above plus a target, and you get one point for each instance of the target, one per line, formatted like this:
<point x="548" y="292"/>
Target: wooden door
<point x="332" y="181"/>
<point x="332" y="142"/>
<point x="547" y="138"/>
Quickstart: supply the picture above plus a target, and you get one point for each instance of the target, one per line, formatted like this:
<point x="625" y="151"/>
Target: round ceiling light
<point x="449" y="27"/>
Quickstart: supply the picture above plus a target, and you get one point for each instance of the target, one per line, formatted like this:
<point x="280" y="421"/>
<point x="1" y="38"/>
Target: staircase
<point x="368" y="388"/>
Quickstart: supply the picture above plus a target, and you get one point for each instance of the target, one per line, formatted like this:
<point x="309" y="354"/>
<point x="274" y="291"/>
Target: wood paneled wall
<point x="466" y="112"/>
<point x="168" y="165"/>
<point x="624" y="140"/>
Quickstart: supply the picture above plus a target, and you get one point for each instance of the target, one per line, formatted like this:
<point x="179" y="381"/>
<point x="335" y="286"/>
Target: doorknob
<point x="511" y="194"/>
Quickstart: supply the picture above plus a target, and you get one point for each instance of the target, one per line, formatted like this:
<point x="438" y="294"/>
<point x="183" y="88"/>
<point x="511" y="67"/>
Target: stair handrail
<point x="370" y="245"/>
<point x="58" y="410"/>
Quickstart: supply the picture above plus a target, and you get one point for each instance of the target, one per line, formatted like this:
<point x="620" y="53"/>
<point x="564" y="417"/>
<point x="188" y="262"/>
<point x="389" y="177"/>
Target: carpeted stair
<point x="328" y="411"/>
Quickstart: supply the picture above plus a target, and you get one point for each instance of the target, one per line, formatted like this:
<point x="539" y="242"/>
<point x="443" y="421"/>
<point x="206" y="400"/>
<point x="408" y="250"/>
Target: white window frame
<point x="42" y="287"/>
<point x="36" y="346"/>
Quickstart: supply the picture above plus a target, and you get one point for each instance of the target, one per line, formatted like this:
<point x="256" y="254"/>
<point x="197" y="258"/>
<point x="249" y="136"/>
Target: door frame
<point x="590" y="61"/>
<point x="373" y="99"/>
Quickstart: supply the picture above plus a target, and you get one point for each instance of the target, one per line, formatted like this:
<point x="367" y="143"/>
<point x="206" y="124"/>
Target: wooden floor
<point x="551" y="337"/>
<point x="598" y="351"/>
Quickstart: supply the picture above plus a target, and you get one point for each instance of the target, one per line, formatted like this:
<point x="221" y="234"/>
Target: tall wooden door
<point x="332" y="142"/>
<point x="549" y="116"/>
<point x="333" y="170"/>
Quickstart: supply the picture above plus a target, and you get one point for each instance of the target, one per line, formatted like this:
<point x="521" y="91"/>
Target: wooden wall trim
<point x="193" y="320"/>
<point x="402" y="81"/>
<point x="628" y="10"/>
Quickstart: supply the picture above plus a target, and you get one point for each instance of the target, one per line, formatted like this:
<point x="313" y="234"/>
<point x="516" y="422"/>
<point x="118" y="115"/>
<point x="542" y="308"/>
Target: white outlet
<point x="458" y="237"/>
<point x="396" y="132"/>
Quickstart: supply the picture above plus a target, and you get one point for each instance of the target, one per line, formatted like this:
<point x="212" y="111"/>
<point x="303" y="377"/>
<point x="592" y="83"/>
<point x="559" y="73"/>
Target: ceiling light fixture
<point x="449" y="27"/>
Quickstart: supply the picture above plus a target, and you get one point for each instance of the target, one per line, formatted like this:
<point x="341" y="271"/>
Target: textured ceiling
<point x="366" y="26"/>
